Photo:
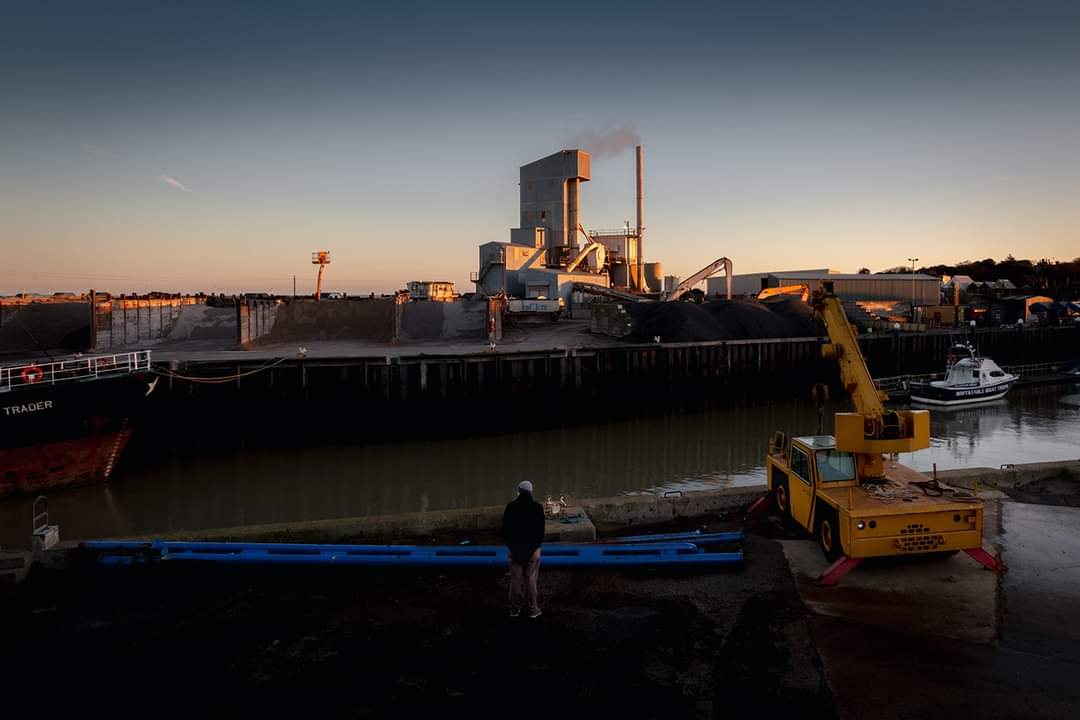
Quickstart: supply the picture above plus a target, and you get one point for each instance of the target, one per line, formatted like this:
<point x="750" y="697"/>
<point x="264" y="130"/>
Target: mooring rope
<point x="220" y="379"/>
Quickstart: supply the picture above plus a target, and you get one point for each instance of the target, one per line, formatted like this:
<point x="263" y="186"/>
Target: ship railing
<point x="899" y="383"/>
<point x="1034" y="369"/>
<point x="73" y="369"/>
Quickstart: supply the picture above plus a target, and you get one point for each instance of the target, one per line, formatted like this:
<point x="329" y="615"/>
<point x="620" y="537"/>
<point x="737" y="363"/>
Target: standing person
<point x="523" y="531"/>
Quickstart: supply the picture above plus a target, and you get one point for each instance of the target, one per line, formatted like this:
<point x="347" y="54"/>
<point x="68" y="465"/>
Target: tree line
<point x="1052" y="276"/>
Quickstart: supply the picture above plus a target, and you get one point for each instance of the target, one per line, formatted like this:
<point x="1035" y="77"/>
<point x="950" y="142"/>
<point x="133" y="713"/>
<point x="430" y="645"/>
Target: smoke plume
<point x="606" y="143"/>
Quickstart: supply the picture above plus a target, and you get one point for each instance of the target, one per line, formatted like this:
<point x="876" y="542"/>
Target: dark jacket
<point x="523" y="527"/>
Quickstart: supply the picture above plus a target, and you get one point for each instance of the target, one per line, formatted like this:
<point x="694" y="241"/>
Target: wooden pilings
<point x="621" y="373"/>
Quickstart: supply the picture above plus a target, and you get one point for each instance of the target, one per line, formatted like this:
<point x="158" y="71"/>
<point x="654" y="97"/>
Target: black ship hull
<point x="54" y="436"/>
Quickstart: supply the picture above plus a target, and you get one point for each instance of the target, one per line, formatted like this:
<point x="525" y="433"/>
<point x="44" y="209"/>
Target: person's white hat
<point x="525" y="486"/>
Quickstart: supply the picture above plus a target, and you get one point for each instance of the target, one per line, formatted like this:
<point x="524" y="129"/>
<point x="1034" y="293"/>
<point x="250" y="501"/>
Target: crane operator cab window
<point x="835" y="465"/>
<point x="800" y="464"/>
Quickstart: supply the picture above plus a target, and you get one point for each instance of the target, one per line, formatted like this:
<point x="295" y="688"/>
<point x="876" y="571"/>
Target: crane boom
<point x="802" y="290"/>
<point x="872" y="429"/>
<point x="705" y="272"/>
<point x="585" y="252"/>
<point x="844" y="347"/>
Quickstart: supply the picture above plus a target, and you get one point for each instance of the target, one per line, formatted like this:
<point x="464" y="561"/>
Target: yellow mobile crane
<point x="842" y="490"/>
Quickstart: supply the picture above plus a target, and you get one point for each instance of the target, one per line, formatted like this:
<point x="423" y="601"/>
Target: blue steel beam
<point x="301" y="549"/>
<point x="133" y="553"/>
<point x="585" y="560"/>
<point x="695" y="536"/>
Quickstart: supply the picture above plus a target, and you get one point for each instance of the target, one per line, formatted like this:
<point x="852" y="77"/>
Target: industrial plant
<point x="551" y="255"/>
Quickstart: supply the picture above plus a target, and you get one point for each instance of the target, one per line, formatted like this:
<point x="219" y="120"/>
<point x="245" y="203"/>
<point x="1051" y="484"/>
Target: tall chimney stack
<point x="640" y="223"/>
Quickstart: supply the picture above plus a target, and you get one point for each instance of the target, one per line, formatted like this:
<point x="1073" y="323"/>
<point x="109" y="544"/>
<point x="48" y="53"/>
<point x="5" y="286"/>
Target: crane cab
<point x="816" y="487"/>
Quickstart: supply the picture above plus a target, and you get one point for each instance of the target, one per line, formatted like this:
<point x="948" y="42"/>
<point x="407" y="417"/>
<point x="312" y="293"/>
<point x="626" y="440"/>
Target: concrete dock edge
<point x="608" y="514"/>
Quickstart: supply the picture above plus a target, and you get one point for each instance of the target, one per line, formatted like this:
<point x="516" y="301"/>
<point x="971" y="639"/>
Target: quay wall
<point x="889" y="353"/>
<point x="610" y="515"/>
<point x="596" y="379"/>
<point x="371" y="397"/>
<point x="607" y="514"/>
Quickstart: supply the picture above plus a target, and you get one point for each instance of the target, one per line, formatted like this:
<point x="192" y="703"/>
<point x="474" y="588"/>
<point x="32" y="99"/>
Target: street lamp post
<point x="913" y="261"/>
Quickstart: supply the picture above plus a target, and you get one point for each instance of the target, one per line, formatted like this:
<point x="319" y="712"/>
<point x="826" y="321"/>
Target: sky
<point x="214" y="145"/>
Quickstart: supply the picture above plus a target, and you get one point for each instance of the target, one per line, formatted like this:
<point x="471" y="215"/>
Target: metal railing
<point x="72" y="369"/>
<point x="1034" y="369"/>
<point x="901" y="382"/>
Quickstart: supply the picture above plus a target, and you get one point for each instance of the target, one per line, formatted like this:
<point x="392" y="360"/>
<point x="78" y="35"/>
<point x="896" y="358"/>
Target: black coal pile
<point x="747" y="319"/>
<point x="673" y="322"/>
<point x="722" y="320"/>
<point x="798" y="315"/>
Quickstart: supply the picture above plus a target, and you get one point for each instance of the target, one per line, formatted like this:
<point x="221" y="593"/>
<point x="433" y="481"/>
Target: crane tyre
<point x="781" y="498"/>
<point x="828" y="533"/>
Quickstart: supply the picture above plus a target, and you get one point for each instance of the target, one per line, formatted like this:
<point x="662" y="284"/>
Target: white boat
<point x="969" y="378"/>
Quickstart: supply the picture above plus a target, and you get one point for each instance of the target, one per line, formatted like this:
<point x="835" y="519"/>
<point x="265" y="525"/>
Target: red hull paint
<point x="62" y="464"/>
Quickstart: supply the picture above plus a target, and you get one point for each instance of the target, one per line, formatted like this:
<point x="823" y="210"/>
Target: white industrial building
<point x="543" y="259"/>
<point x="897" y="287"/>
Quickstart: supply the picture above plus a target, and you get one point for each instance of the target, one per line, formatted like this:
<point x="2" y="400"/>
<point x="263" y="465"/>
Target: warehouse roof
<point x="851" y="276"/>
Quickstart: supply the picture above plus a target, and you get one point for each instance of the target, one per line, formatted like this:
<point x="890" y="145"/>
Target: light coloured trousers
<point x="524" y="594"/>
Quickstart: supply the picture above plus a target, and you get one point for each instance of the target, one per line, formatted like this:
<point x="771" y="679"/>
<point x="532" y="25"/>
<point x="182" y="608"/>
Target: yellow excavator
<point x="802" y="290"/>
<point x="844" y="492"/>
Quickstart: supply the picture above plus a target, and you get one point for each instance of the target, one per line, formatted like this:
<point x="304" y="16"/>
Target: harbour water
<point x="183" y="490"/>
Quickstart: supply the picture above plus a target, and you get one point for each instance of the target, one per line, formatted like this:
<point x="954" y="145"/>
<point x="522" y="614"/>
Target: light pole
<point x="913" y="261"/>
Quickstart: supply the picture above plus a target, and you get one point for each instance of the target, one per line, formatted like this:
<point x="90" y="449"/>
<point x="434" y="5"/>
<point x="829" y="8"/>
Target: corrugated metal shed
<point x="924" y="289"/>
<point x="752" y="283"/>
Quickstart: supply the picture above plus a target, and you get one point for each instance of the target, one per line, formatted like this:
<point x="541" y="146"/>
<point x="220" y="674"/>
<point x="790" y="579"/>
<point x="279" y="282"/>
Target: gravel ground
<point x="370" y="643"/>
<point x="184" y="641"/>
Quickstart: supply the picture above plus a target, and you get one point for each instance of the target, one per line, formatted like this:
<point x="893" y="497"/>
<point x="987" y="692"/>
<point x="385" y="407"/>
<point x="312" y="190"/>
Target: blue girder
<point x="632" y="554"/>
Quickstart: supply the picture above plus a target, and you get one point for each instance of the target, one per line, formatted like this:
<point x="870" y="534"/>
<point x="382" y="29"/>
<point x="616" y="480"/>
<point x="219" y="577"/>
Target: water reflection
<point x="1030" y="425"/>
<point x="680" y="452"/>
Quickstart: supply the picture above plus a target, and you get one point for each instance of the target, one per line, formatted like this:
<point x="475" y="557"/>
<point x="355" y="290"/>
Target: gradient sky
<point x="213" y="146"/>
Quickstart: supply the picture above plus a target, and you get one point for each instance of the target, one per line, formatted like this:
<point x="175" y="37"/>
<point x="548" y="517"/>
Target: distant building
<point x="903" y="287"/>
<point x="753" y="283"/>
<point x="1007" y="310"/>
<point x="956" y="281"/>
<point x="542" y="259"/>
<point x="438" y="290"/>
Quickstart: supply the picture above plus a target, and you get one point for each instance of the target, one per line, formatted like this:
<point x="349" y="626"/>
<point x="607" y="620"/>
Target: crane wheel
<point x="782" y="501"/>
<point x="829" y="535"/>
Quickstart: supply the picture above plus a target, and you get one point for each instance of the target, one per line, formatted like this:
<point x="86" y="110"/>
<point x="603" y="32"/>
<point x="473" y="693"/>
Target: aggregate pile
<point x="46" y="326"/>
<point x="422" y="320"/>
<point x="674" y="322"/>
<point x="798" y="315"/>
<point x="722" y="320"/>
<point x="427" y="320"/>
<point x="202" y="322"/>
<point x="303" y="320"/>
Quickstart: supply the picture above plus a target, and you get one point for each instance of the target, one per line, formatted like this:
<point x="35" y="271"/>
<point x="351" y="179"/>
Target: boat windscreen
<point x="835" y="465"/>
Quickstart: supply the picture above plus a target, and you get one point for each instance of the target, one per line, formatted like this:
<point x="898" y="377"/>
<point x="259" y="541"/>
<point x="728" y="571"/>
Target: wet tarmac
<point x="943" y="637"/>
<point x="1041" y="591"/>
